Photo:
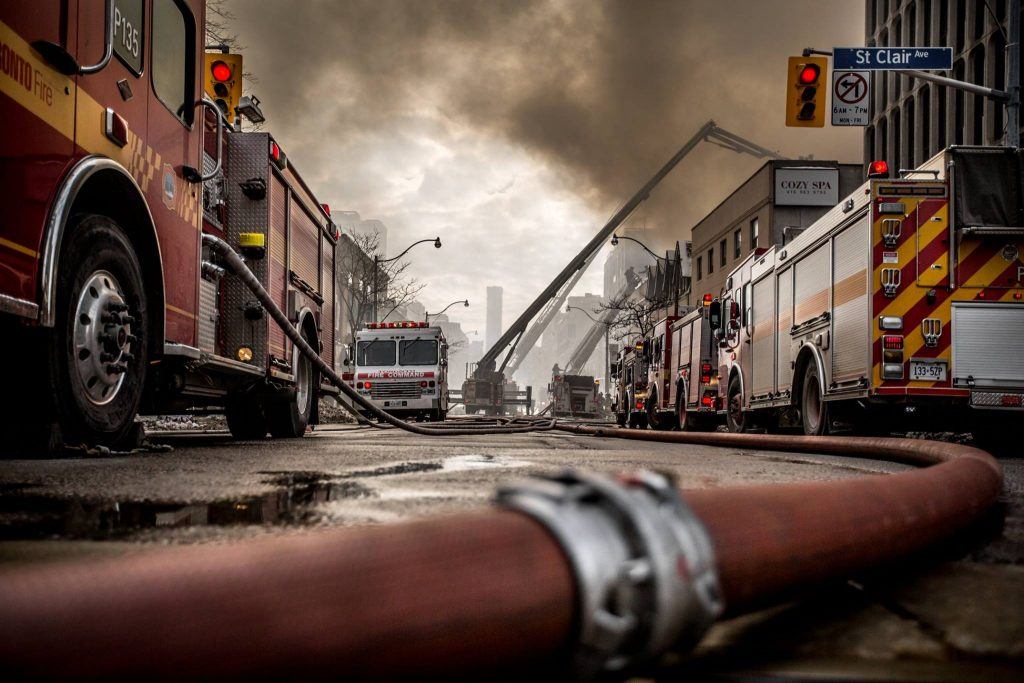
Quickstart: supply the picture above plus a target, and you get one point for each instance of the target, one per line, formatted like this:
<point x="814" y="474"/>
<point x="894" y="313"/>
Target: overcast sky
<point x="515" y="129"/>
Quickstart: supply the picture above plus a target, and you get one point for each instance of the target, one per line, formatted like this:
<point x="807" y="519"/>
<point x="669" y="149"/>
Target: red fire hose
<point x="575" y="570"/>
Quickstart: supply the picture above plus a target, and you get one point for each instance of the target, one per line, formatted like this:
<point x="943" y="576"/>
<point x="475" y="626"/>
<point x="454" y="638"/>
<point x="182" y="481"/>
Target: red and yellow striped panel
<point x="982" y="273"/>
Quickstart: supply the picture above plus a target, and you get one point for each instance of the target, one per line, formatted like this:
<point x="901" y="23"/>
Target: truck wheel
<point x="813" y="410"/>
<point x="288" y="419"/>
<point x="685" y="420"/>
<point x="620" y="419"/>
<point x="245" y="417"/>
<point x="651" y="412"/>
<point x="735" y="418"/>
<point x="98" y="351"/>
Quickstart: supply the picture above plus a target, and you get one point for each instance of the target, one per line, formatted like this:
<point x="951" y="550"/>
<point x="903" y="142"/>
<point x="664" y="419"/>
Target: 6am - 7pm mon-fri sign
<point x="892" y="58"/>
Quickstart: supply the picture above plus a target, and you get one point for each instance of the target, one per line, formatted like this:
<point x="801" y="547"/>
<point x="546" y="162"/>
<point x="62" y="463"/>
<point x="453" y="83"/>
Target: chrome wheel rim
<point x="812" y="407"/>
<point x="102" y="338"/>
<point x="302" y="376"/>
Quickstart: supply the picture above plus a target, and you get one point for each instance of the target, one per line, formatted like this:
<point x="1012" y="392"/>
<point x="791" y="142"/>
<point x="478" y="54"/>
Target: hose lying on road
<point x="238" y="267"/>
<point x="574" y="568"/>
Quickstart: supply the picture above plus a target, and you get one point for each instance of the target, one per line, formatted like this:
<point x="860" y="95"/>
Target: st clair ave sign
<point x="814" y="186"/>
<point x="892" y="58"/>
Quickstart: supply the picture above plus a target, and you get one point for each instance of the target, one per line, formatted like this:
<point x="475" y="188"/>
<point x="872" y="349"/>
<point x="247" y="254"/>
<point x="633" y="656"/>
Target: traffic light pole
<point x="1009" y="98"/>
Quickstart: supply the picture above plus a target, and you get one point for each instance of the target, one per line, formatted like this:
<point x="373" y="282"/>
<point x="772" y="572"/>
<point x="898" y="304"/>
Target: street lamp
<point x="678" y="273"/>
<point x="464" y="302"/>
<point x="377" y="260"/>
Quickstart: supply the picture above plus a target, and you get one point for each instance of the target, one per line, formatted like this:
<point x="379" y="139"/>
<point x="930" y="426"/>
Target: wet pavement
<point x="955" y="613"/>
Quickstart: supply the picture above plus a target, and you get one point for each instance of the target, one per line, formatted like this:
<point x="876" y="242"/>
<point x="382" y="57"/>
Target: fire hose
<point x="238" y="267"/>
<point x="580" y="571"/>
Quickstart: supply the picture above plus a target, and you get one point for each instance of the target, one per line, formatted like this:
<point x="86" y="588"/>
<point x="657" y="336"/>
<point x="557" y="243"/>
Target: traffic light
<point x="223" y="82"/>
<point x="805" y="92"/>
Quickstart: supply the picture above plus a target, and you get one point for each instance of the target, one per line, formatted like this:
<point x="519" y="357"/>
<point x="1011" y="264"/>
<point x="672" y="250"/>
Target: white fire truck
<point x="111" y="173"/>
<point x="402" y="367"/>
<point x="573" y="395"/>
<point x="902" y="302"/>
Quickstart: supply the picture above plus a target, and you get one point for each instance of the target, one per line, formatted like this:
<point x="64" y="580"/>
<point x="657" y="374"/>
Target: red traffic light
<point x="221" y="71"/>
<point x="809" y="74"/>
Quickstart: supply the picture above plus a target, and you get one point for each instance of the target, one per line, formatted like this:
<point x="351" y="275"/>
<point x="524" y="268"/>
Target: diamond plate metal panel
<point x="248" y="158"/>
<point x="208" y="315"/>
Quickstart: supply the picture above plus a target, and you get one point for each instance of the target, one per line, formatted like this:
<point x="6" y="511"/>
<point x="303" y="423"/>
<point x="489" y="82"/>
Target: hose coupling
<point x="643" y="563"/>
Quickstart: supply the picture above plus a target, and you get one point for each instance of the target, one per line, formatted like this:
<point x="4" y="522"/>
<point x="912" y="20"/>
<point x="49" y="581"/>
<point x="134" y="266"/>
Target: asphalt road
<point x="953" y="614"/>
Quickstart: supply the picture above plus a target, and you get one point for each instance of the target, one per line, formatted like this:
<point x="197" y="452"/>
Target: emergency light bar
<point x="394" y="326"/>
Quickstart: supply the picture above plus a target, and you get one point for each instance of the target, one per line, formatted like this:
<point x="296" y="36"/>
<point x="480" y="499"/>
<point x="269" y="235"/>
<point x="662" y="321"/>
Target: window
<point x="417" y="352"/>
<point x="173" y="65"/>
<point x="737" y="243"/>
<point x="711" y="260"/>
<point x="375" y="352"/>
<point x="755" y="228"/>
<point x="722" y="259"/>
<point x="748" y="308"/>
<point x="129" y="39"/>
<point x="700" y="270"/>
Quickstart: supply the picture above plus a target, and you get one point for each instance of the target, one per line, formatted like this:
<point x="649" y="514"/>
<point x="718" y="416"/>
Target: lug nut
<point x="117" y="369"/>
<point x="127" y="320"/>
<point x="110" y="318"/>
<point x="127" y="357"/>
<point x="107" y="357"/>
<point x="117" y="306"/>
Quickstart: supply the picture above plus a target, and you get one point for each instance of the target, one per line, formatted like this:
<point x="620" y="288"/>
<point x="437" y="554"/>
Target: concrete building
<point x="773" y="205"/>
<point x="624" y="256"/>
<point x="911" y="119"/>
<point x="494" y="322"/>
<point x="352" y="224"/>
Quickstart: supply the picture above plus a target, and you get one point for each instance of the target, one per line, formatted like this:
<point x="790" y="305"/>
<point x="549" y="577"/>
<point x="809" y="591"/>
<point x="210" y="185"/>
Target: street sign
<point x="892" y="58"/>
<point x="851" y="98"/>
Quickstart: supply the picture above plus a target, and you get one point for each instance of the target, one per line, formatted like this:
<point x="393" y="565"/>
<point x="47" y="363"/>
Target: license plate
<point x="928" y="371"/>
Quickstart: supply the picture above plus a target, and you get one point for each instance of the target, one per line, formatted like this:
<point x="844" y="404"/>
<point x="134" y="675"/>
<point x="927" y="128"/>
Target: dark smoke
<point x="605" y="91"/>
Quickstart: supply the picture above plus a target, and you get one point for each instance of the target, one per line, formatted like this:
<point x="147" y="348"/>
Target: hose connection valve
<point x="642" y="561"/>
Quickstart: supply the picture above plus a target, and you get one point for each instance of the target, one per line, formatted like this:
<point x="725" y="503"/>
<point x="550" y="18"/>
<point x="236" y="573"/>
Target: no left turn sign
<point x="851" y="98"/>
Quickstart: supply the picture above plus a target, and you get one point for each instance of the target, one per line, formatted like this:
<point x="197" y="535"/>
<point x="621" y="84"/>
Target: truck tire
<point x="656" y="421"/>
<point x="735" y="418"/>
<point x="620" y="419"/>
<point x="687" y="420"/>
<point x="98" y="349"/>
<point x="245" y="417"/>
<point x="813" y="410"/>
<point x="289" y="419"/>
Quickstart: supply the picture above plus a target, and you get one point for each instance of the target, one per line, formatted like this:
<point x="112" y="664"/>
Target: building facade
<point x="494" y="322"/>
<point x="911" y="119"/>
<point x="771" y="207"/>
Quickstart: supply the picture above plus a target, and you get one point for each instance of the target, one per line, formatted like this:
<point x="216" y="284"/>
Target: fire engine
<point x="573" y="395"/>
<point x="693" y="372"/>
<point x="629" y="371"/>
<point x="903" y="301"/>
<point x="113" y="167"/>
<point x="657" y="355"/>
<point x="402" y="367"/>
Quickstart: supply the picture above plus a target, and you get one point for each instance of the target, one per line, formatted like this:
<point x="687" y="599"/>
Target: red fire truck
<point x="693" y="371"/>
<point x="108" y="300"/>
<point x="657" y="351"/>
<point x="902" y="303"/>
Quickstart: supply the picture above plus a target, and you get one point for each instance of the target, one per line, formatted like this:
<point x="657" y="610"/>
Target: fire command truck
<point x="902" y="302"/>
<point x="113" y="166"/>
<point x="402" y="367"/>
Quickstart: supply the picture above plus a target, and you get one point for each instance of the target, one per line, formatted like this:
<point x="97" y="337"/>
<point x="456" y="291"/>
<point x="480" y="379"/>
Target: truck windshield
<point x="376" y="352"/>
<point x="418" y="352"/>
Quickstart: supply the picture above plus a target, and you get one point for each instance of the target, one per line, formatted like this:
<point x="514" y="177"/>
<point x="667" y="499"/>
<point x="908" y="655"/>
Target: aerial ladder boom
<point x="487" y="367"/>
<point x="581" y="354"/>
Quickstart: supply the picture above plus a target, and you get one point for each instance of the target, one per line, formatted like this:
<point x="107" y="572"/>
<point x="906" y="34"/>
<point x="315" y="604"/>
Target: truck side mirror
<point x="734" y="310"/>
<point x="715" y="315"/>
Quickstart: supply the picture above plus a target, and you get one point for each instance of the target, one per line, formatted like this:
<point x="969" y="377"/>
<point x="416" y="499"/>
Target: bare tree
<point x="219" y="20"/>
<point x="356" y="268"/>
<point x="635" y="315"/>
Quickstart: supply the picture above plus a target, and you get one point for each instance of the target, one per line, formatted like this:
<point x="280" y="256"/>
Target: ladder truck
<point x="576" y="395"/>
<point x="114" y="166"/>
<point x="484" y="390"/>
<point x="901" y="308"/>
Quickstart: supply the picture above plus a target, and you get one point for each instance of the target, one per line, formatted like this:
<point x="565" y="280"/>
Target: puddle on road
<point x="25" y="515"/>
<point x="26" y="512"/>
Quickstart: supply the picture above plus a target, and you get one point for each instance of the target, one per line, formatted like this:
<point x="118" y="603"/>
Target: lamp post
<point x="377" y="261"/>
<point x="607" y="328"/>
<point x="464" y="302"/>
<point x="676" y="276"/>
